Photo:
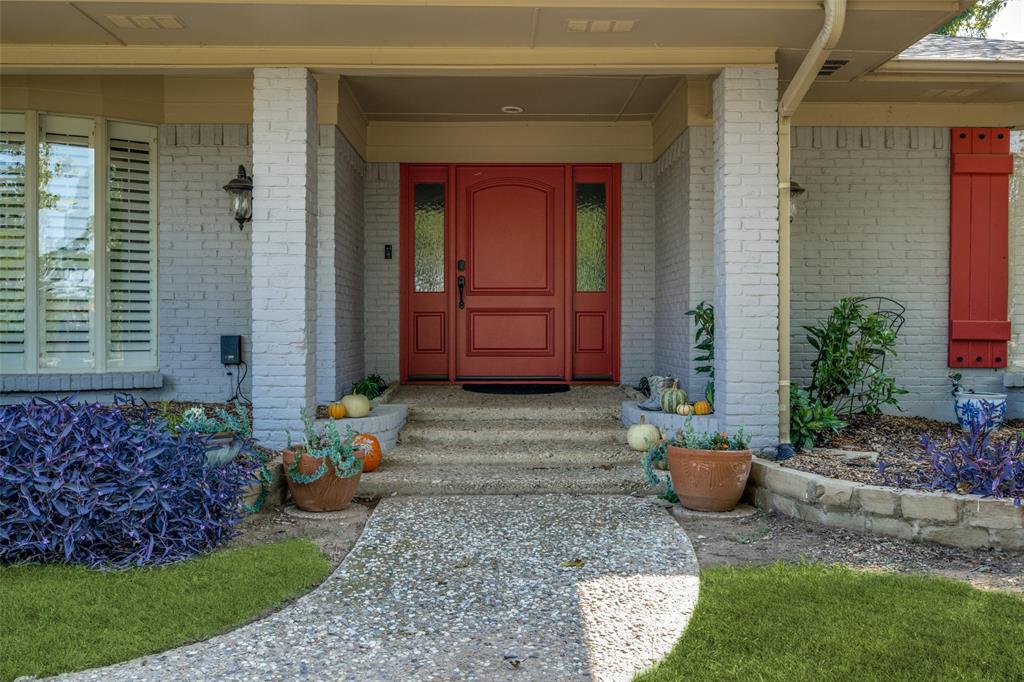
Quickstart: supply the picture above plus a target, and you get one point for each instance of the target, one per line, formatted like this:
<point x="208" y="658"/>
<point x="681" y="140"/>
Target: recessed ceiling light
<point x="512" y="109"/>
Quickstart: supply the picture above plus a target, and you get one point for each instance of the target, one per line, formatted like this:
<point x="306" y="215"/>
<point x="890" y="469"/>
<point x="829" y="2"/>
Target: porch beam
<point x="386" y="60"/>
<point x="284" y="255"/>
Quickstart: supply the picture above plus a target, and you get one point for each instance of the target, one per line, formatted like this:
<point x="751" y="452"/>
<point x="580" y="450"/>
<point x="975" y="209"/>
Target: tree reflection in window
<point x="591" y="237"/>
<point x="428" y="228"/>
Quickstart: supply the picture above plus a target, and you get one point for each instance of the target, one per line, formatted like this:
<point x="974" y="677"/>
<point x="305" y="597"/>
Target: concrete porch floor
<point x="459" y="442"/>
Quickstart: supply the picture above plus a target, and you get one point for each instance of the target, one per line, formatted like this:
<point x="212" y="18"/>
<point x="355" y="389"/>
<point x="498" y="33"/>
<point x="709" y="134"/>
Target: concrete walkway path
<point x="545" y="587"/>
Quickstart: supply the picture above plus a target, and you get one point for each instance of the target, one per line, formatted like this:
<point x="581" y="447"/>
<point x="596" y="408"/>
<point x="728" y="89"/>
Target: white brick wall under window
<point x="205" y="260"/>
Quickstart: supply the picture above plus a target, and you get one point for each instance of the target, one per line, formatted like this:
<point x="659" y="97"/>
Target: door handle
<point x="462" y="287"/>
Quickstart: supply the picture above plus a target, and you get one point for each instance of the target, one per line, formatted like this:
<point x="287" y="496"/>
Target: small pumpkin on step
<point x="641" y="437"/>
<point x="672" y="398"/>
<point x="702" y="407"/>
<point x="367" y="448"/>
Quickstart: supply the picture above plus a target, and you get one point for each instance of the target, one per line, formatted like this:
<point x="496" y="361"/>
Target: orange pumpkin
<point x="336" y="411"/>
<point x="368" y="449"/>
<point x="702" y="407"/>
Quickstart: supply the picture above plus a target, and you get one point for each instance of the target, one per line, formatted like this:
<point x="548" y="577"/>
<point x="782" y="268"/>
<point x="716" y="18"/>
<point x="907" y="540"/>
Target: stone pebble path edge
<point x="541" y="587"/>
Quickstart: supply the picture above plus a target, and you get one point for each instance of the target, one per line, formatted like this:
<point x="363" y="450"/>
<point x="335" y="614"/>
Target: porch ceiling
<point x="480" y="98"/>
<point x="410" y="35"/>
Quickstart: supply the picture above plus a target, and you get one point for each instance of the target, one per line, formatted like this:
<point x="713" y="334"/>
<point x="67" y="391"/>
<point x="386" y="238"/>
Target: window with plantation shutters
<point x="67" y="243"/>
<point x="12" y="243"/>
<point x="131" y="239"/>
<point x="78" y="245"/>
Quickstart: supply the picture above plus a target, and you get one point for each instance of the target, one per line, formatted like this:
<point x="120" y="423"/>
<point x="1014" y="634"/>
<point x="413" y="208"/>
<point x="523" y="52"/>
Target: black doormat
<point x="516" y="389"/>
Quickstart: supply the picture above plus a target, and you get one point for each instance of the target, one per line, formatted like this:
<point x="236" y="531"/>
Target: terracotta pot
<point x="709" y="480"/>
<point x="328" y="493"/>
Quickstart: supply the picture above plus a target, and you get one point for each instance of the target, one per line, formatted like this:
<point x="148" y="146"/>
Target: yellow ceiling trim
<point x="868" y="114"/>
<point x="386" y="59"/>
<point x="509" y="142"/>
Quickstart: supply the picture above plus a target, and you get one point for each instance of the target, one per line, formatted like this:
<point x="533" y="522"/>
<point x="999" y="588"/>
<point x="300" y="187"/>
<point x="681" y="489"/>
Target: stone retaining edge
<point x="967" y="521"/>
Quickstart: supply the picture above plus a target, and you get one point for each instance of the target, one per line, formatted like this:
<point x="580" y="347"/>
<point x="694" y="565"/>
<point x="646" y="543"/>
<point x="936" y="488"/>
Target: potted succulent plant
<point x="323" y="470"/>
<point x="228" y="432"/>
<point x="709" y="470"/>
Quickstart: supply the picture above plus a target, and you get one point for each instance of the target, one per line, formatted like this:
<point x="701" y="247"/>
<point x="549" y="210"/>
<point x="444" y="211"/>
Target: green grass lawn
<point x="810" y="622"/>
<point x="60" y="618"/>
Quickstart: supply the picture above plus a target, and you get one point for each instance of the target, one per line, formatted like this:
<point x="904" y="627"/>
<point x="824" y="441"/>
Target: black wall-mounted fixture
<point x="230" y="350"/>
<point x="240" y="191"/>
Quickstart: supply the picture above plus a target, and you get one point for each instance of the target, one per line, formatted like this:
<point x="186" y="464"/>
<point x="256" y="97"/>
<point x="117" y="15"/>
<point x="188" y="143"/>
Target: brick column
<point x="284" y="238"/>
<point x="746" y="233"/>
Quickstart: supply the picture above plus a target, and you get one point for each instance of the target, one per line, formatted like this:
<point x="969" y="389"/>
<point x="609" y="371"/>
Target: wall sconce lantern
<point x="795" y="192"/>
<point x="240" y="191"/>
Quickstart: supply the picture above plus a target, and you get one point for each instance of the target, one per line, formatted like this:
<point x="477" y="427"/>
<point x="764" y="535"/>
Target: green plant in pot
<point x="709" y="470"/>
<point x="229" y="432"/>
<point x="322" y="471"/>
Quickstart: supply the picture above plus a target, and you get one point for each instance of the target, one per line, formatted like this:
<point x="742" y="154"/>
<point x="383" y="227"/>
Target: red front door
<point x="509" y="273"/>
<point x="510" y="251"/>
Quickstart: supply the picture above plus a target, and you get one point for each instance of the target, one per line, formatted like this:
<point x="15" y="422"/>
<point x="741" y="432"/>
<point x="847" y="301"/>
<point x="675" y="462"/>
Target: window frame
<point x="100" y="331"/>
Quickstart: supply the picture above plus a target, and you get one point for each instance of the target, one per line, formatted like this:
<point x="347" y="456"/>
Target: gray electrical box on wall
<point x="230" y="350"/>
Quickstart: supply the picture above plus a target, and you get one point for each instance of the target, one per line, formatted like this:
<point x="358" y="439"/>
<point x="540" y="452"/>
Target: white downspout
<point x="828" y="37"/>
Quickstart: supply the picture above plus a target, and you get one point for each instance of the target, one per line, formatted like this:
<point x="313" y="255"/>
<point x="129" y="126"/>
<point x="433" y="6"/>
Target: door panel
<point x="510" y="237"/>
<point x="531" y="253"/>
<point x="425" y="252"/>
<point x="510" y="232"/>
<point x="595" y="296"/>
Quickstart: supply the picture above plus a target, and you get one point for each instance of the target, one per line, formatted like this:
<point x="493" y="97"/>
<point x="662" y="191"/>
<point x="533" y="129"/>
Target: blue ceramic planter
<point x="969" y="410"/>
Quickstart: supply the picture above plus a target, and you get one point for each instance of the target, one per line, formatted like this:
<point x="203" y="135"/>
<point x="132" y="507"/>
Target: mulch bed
<point x="896" y="439"/>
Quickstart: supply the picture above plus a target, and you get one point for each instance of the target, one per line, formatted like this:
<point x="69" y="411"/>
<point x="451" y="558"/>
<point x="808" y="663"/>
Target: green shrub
<point x="810" y="420"/>
<point x="852" y="345"/>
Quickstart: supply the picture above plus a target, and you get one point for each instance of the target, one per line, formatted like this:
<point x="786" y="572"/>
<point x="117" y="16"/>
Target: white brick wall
<point x="339" y="266"/>
<point x="875" y="221"/>
<point x="284" y="233"/>
<point x="746" y="230"/>
<point x="381" y="204"/>
<point x="638" y="270"/>
<point x="204" y="259"/>
<point x="684" y="192"/>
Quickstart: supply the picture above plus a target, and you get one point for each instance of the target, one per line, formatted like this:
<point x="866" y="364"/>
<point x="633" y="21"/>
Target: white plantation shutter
<point x="78" y="245"/>
<point x="131" y="239"/>
<point x="12" y="243"/>
<point x="67" y="275"/>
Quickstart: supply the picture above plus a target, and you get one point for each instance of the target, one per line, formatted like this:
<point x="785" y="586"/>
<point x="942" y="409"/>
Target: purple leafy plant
<point x="972" y="463"/>
<point x="85" y="484"/>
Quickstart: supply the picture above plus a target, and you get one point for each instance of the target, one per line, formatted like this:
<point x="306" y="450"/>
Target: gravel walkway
<point x="548" y="587"/>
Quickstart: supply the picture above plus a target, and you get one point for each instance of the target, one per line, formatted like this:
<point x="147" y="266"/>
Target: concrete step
<point x="538" y="412"/>
<point x="512" y="431"/>
<point x="394" y="478"/>
<point x="515" y="454"/>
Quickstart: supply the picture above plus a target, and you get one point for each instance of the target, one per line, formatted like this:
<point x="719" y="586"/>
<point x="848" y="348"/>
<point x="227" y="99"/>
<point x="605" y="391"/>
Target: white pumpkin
<point x="643" y="436"/>
<point x="356" y="405"/>
<point x="684" y="410"/>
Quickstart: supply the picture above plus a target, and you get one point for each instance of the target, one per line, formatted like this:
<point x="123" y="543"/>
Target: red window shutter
<point x="979" y="234"/>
